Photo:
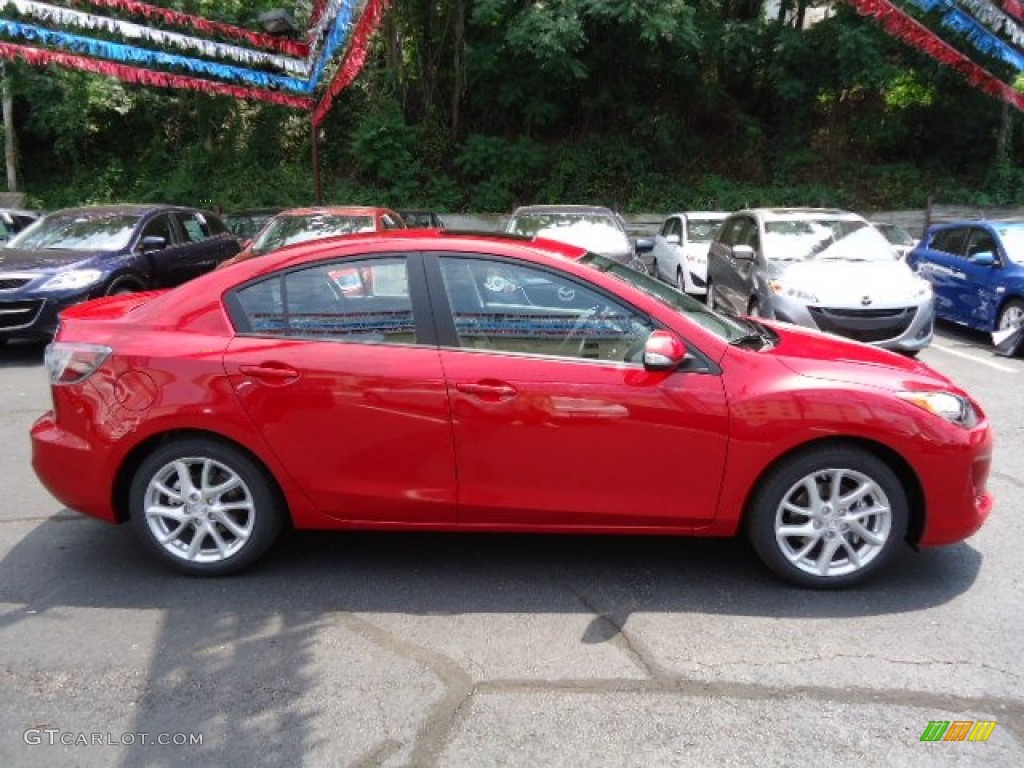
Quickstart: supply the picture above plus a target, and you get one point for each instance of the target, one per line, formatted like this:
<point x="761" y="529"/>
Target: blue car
<point x="976" y="269"/>
<point x="78" y="254"/>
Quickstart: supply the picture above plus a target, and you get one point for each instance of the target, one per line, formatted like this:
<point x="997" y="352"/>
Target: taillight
<point x="69" y="362"/>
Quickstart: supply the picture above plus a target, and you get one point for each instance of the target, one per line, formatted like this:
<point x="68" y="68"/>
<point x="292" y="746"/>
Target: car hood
<point x="25" y="260"/>
<point x="853" y="284"/>
<point x="601" y="240"/>
<point x="821" y="356"/>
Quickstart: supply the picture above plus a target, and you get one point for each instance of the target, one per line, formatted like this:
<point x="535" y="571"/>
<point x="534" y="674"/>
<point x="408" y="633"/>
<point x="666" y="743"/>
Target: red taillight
<point x="71" y="363"/>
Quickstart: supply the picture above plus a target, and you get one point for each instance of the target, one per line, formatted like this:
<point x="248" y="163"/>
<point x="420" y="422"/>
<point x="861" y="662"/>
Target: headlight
<point x="792" y="292"/>
<point x="73" y="279"/>
<point x="953" y="408"/>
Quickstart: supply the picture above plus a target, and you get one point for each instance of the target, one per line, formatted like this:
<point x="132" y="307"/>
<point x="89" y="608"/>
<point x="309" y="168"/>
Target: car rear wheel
<point x="204" y="507"/>
<point x="1012" y="314"/>
<point x="828" y="518"/>
<point x="754" y="308"/>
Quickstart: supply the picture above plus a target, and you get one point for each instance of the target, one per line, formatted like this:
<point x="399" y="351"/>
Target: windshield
<point x="895" y="235"/>
<point x="720" y="325"/>
<point x="702" y="230"/>
<point x="825" y="240"/>
<point x="1013" y="243"/>
<point x="79" y="232"/>
<point x="533" y="224"/>
<point x="288" y="230"/>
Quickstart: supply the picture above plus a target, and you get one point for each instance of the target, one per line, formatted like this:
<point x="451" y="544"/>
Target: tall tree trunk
<point x="1004" y="137"/>
<point x="458" y="70"/>
<point x="10" y="156"/>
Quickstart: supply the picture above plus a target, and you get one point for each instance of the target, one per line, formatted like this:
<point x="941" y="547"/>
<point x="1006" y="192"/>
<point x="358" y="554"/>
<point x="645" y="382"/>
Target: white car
<point x="681" y="249"/>
<point x="599" y="230"/>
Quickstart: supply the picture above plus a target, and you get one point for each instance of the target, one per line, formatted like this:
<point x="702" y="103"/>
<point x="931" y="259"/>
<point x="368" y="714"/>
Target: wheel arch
<point x="138" y="454"/>
<point x="904" y="472"/>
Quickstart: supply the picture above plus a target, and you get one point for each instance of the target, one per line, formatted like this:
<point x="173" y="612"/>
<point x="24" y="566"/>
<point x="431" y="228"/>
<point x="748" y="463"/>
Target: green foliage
<point x="485" y="104"/>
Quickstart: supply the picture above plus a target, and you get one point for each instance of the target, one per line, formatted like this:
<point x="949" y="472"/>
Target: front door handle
<point x="487" y="390"/>
<point x="278" y="373"/>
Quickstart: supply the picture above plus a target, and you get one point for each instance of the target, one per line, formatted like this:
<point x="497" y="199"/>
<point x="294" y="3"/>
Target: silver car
<point x="599" y="230"/>
<point x="823" y="269"/>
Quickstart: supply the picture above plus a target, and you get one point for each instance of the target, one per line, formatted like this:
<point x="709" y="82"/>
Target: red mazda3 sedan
<point x="442" y="381"/>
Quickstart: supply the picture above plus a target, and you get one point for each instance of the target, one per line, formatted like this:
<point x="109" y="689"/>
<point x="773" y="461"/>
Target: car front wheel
<point x="828" y="518"/>
<point x="1011" y="315"/>
<point x="204" y="507"/>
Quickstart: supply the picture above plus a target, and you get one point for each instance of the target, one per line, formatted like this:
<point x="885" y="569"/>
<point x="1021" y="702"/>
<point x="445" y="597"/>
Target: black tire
<point x="245" y="518"/>
<point x="123" y="285"/>
<point x="754" y="307"/>
<point x="881" y="512"/>
<point x="709" y="297"/>
<point x="680" y="280"/>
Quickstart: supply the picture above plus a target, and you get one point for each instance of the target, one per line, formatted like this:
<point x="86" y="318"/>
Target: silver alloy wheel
<point x="1012" y="316"/>
<point x="833" y="522"/>
<point x="199" y="510"/>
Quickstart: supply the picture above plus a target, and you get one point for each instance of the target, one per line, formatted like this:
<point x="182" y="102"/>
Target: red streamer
<point x="910" y="31"/>
<point x="40" y="57"/>
<point x="166" y="15"/>
<point x="355" y="57"/>
<point x="1014" y="8"/>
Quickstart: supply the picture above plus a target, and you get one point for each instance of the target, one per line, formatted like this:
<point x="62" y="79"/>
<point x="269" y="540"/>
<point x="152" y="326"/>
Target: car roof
<point x="703" y="214"/>
<point x="1014" y="223"/>
<point x="336" y="210"/>
<point x="120" y="208"/>
<point x="595" y="209"/>
<point x="769" y="214"/>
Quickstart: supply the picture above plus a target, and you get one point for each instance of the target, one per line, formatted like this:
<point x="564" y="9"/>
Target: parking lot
<point x="423" y="650"/>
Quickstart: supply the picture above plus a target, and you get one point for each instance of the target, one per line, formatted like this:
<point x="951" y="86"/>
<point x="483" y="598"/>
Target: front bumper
<point x="33" y="316"/>
<point x="906" y="328"/>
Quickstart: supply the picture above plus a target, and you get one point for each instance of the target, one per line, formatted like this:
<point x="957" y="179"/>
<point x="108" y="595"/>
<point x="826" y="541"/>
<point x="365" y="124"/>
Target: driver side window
<point x="159" y="227"/>
<point x="506" y="307"/>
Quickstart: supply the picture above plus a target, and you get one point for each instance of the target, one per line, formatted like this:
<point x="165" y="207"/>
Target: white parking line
<point x="973" y="358"/>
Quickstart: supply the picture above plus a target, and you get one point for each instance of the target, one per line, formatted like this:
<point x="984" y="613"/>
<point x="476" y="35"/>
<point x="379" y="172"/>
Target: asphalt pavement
<point x="467" y="650"/>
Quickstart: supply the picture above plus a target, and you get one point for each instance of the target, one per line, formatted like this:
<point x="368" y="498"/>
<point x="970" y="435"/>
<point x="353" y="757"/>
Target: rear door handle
<point x="487" y="390"/>
<point x="277" y="372"/>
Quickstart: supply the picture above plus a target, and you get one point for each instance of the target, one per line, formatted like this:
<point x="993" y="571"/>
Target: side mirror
<point x="663" y="351"/>
<point x="984" y="259"/>
<point x="673" y="240"/>
<point x="152" y="243"/>
<point x="743" y="253"/>
<point x="644" y="245"/>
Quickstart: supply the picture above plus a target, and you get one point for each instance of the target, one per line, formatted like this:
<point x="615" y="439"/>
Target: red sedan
<point x="436" y="381"/>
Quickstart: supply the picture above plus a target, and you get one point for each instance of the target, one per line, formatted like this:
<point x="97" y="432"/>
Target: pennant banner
<point x="65" y="17"/>
<point x="990" y="15"/>
<point x="974" y="31"/>
<point x="131" y="54"/>
<point x="206" y="26"/>
<point x="354" y="59"/>
<point x="903" y="27"/>
<point x="41" y="57"/>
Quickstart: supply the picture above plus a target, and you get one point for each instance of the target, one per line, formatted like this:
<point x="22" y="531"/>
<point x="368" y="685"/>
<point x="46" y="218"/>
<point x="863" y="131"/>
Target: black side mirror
<point x="152" y="243"/>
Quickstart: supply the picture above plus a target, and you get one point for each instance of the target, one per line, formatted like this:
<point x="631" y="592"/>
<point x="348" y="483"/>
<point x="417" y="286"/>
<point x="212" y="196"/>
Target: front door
<point x="557" y="424"/>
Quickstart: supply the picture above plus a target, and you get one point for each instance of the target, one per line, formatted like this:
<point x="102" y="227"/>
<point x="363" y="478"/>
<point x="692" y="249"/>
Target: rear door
<point x="337" y="366"/>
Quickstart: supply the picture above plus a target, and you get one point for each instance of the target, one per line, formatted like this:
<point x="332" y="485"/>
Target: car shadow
<point x="258" y="630"/>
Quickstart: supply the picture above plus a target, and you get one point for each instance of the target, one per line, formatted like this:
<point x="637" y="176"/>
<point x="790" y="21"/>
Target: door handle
<point x="276" y="372"/>
<point x="493" y="390"/>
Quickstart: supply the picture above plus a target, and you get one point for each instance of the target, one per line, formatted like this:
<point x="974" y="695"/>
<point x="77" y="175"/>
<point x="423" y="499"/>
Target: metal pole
<point x="318" y="186"/>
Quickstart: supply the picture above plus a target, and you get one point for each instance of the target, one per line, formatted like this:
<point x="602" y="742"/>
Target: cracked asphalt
<point x="451" y="650"/>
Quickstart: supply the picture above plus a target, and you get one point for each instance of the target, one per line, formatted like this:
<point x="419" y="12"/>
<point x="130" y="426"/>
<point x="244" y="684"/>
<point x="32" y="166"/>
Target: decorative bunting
<point x="131" y="54"/>
<point x="41" y="57"/>
<point x="1014" y="8"/>
<point x="978" y="34"/>
<point x="198" y="23"/>
<point x="65" y="17"/>
<point x="990" y="15"/>
<point x="909" y="30"/>
<point x="354" y="59"/>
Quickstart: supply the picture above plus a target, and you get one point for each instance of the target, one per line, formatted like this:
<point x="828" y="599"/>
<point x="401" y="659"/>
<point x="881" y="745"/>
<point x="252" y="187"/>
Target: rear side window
<point x="194" y="226"/>
<point x="359" y="301"/>
<point x="950" y="241"/>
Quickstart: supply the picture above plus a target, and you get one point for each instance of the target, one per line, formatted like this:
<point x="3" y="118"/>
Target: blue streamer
<point x="130" y="54"/>
<point x="335" y="39"/>
<point x="980" y="36"/>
